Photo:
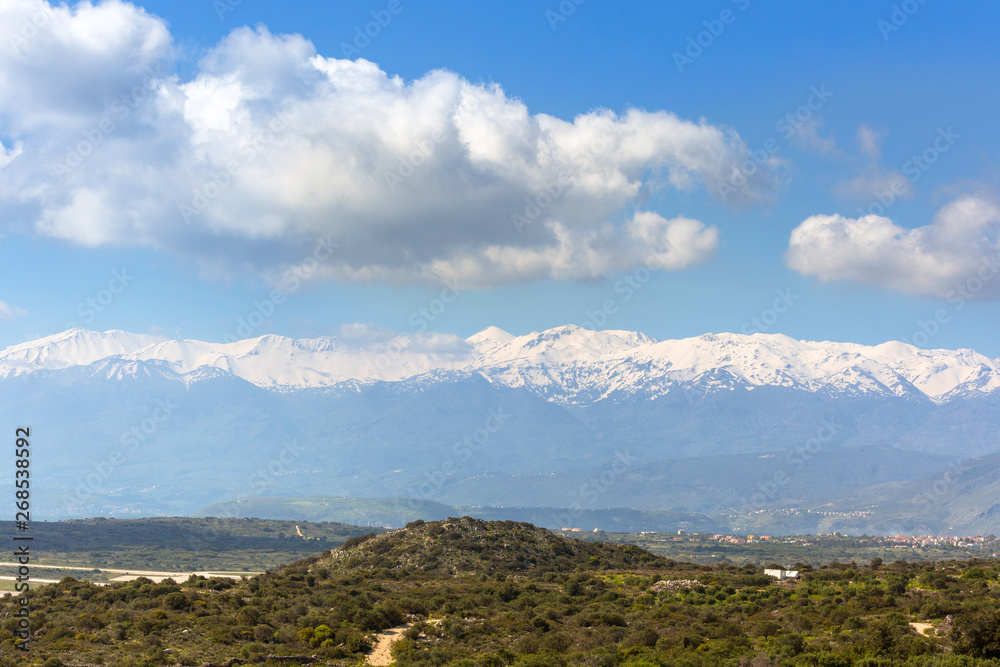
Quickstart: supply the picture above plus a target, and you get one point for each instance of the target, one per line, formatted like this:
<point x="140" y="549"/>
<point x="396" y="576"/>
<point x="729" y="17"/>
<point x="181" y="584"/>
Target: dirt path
<point x="299" y="532"/>
<point x="380" y="656"/>
<point x="922" y="628"/>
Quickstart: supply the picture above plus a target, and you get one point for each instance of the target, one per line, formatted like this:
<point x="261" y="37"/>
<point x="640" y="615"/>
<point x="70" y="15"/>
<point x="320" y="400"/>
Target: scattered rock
<point x="674" y="584"/>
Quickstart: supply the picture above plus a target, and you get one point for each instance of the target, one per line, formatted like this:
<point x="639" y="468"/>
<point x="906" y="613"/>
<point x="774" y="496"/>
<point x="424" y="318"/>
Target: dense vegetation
<point x="179" y="543"/>
<point x="492" y="594"/>
<point x="474" y="546"/>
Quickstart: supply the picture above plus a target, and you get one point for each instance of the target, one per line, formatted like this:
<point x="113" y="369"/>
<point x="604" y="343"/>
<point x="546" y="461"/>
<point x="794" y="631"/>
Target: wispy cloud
<point x="872" y="180"/>
<point x="9" y="312"/>
<point x="809" y="136"/>
<point x="870" y="141"/>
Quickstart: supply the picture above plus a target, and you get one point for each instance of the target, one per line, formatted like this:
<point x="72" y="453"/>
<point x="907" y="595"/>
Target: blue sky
<point x="869" y="128"/>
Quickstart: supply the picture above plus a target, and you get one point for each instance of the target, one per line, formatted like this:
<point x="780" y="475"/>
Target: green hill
<point x="473" y="546"/>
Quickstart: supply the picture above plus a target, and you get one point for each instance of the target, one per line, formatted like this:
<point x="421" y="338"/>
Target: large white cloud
<point x="958" y="253"/>
<point x="269" y="145"/>
<point x="61" y="67"/>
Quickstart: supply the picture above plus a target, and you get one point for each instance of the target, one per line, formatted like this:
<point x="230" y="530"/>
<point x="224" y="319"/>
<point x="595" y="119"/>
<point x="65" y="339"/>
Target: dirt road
<point x="128" y="575"/>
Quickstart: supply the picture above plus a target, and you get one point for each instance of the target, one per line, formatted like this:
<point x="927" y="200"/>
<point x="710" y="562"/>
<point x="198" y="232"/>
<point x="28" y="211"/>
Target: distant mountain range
<point x="568" y="365"/>
<point x="723" y="426"/>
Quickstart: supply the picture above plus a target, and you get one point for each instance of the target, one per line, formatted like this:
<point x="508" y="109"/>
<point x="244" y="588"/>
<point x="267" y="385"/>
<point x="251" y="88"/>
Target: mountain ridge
<point x="567" y="364"/>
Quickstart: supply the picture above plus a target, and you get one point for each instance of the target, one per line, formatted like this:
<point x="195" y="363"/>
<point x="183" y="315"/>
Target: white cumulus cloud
<point x="958" y="250"/>
<point x="269" y="145"/>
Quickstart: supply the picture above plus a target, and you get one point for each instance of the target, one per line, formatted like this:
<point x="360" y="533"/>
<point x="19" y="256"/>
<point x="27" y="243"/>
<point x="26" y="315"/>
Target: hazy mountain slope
<point x="961" y="499"/>
<point x="397" y="512"/>
<point x="389" y="512"/>
<point x="707" y="485"/>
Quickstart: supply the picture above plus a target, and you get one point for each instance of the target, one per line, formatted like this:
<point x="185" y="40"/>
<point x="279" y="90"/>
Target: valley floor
<point x="103" y="575"/>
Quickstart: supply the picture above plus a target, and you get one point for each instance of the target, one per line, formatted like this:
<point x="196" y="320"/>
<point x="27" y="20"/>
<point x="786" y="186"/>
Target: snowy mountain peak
<point x="74" y="347"/>
<point x="489" y="338"/>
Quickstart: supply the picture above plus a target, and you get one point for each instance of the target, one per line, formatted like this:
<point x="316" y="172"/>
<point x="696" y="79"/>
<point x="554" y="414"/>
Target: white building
<point x="782" y="574"/>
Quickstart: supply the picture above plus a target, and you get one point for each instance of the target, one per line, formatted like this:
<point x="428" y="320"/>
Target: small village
<point x="765" y="549"/>
<point x="898" y="540"/>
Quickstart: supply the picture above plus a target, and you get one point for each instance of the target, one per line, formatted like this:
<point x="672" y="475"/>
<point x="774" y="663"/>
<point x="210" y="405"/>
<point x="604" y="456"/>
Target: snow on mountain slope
<point x="75" y="347"/>
<point x="566" y="364"/>
<point x="278" y="362"/>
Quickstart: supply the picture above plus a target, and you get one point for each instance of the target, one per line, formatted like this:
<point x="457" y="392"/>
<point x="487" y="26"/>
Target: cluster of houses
<point x="739" y="539"/>
<point x="904" y="541"/>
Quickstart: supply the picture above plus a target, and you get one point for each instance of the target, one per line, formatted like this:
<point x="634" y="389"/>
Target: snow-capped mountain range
<point x="142" y="424"/>
<point x="567" y="365"/>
